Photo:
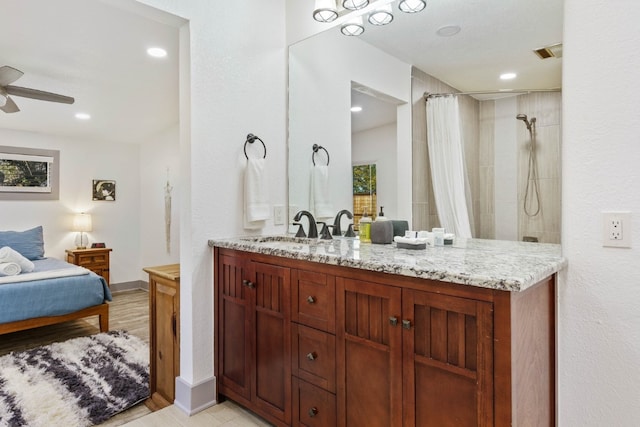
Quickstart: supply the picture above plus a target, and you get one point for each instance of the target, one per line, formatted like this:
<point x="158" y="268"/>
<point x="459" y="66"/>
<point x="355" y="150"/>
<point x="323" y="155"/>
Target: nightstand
<point x="94" y="259"/>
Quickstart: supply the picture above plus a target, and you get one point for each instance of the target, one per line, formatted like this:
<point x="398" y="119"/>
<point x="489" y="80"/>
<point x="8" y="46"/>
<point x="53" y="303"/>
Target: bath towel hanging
<point x="256" y="189"/>
<point x="319" y="194"/>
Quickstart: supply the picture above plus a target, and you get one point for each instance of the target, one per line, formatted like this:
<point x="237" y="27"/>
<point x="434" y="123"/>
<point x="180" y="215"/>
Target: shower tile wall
<point x="487" y="173"/>
<point x="546" y="108"/>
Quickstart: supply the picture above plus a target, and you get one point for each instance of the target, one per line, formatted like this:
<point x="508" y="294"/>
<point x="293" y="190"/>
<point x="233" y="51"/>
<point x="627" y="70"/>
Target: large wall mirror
<point x="511" y="141"/>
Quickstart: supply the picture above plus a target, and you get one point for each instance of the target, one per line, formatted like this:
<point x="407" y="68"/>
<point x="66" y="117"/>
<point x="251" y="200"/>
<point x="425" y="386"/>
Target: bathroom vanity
<point x="337" y="333"/>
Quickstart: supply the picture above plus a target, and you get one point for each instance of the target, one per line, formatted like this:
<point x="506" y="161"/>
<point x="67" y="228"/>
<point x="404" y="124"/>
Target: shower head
<point x="524" y="118"/>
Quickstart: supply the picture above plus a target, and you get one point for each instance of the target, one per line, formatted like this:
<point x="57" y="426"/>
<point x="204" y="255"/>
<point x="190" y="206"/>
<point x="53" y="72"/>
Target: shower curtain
<point x="448" y="171"/>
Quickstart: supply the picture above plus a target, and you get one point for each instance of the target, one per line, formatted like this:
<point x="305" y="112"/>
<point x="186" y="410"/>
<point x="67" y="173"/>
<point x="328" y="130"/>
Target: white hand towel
<point x="256" y="194"/>
<point x="9" y="269"/>
<point x="320" y="200"/>
<point x="8" y="254"/>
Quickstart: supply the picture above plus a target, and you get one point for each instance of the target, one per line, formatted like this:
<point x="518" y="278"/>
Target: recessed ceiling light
<point x="448" y="30"/>
<point x="356" y="109"/>
<point x="508" y="76"/>
<point x="157" y="52"/>
<point x="83" y="116"/>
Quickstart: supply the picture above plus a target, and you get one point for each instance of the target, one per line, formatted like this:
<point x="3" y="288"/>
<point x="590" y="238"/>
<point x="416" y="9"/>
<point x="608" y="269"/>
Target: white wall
<point x="320" y="96"/>
<point x="114" y="223"/>
<point x="378" y="145"/>
<point x="235" y="77"/>
<point x="159" y="163"/>
<point x="599" y="318"/>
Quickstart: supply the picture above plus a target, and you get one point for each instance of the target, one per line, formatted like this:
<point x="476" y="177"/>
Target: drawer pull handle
<point x="248" y="283"/>
<point x="393" y="321"/>
<point x="406" y="324"/>
<point x="312" y="356"/>
<point x="311" y="300"/>
<point x="313" y="412"/>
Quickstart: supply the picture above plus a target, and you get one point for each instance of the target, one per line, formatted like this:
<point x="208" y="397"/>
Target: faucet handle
<point x="350" y="232"/>
<point x="300" y="232"/>
<point x="324" y="232"/>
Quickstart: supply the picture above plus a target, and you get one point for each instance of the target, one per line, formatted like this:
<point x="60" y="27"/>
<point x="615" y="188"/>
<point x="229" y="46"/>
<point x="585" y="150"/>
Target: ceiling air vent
<point x="552" y="51"/>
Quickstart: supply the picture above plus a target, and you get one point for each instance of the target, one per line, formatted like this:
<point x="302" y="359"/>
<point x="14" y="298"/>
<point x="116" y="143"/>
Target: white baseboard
<point x="193" y="398"/>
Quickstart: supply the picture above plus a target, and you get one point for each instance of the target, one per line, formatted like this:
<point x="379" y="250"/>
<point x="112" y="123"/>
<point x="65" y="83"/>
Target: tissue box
<point x="382" y="232"/>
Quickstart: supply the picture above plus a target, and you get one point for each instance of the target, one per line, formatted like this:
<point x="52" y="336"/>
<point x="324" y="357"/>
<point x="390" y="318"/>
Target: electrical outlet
<point x="278" y="215"/>
<point x="616" y="229"/>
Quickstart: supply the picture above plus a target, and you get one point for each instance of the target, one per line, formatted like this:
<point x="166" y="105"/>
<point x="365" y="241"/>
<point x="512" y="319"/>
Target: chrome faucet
<point x="313" y="229"/>
<point x="337" y="231"/>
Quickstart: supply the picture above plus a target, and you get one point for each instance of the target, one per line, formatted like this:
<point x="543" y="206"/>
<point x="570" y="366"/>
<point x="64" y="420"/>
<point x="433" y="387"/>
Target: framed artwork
<point x="104" y="189"/>
<point x="29" y="173"/>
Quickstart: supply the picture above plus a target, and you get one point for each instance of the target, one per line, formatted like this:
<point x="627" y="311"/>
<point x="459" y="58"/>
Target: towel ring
<point x="251" y="138"/>
<point x="317" y="147"/>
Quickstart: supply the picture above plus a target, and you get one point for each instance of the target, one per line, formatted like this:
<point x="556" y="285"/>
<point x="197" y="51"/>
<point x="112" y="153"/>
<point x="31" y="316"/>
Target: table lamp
<point x="82" y="224"/>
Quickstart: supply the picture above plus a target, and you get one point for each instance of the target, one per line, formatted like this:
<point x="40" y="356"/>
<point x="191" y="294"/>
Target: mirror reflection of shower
<point x="532" y="191"/>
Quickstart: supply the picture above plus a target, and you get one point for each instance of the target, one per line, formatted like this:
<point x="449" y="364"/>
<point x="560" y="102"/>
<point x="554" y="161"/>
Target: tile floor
<point x="226" y="414"/>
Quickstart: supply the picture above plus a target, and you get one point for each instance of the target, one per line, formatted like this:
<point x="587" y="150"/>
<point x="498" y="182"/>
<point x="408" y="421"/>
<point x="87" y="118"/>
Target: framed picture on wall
<point x="104" y="190"/>
<point x="29" y="173"/>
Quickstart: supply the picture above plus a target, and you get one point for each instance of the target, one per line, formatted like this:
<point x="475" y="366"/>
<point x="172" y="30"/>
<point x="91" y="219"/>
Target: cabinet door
<point x="272" y="374"/>
<point x="448" y="360"/>
<point x="233" y="326"/>
<point x="369" y="354"/>
<point x="164" y="313"/>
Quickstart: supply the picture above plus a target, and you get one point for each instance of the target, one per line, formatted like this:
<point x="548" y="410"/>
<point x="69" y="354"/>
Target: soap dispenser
<point x="382" y="229"/>
<point x="365" y="227"/>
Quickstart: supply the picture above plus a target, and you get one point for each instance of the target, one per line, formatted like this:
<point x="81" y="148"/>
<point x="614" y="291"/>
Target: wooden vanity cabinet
<point x="373" y="349"/>
<point x="253" y="341"/>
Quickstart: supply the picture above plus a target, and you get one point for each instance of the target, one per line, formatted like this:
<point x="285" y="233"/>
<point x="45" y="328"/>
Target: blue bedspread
<point x="51" y="297"/>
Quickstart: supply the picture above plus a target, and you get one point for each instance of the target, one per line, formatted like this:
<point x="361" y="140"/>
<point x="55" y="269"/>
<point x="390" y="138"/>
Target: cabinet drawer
<point x="85" y="260"/>
<point x="312" y="406"/>
<point x="314" y="300"/>
<point x="314" y="356"/>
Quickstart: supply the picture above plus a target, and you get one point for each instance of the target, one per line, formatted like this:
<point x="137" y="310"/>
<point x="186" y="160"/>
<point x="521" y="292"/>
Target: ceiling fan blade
<point x="9" y="75"/>
<point x="38" y="94"/>
<point x="10" y="106"/>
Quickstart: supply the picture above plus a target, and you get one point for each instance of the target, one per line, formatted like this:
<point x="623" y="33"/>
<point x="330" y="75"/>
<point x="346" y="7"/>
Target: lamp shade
<point x="355" y="4"/>
<point x="412" y="6"/>
<point x="82" y="222"/>
<point x="325" y="11"/>
<point x="381" y="16"/>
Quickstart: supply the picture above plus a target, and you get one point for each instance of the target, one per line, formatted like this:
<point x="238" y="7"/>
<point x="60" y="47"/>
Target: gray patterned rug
<point x="79" y="382"/>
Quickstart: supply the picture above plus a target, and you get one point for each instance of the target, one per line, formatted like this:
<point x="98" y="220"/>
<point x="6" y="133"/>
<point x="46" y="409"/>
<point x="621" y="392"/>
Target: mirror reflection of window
<point x="364" y="192"/>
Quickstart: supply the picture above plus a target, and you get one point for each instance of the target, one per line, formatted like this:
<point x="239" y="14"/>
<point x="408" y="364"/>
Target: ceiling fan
<point x="9" y="75"/>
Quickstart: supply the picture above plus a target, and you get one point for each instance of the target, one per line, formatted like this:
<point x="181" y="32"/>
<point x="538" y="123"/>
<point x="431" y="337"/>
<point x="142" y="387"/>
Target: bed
<point x="54" y="292"/>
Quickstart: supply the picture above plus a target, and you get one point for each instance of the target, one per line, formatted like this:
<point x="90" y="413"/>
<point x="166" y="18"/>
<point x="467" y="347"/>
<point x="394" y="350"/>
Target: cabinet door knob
<point x="311" y="300"/>
<point x="248" y="283"/>
<point x="312" y="356"/>
<point x="393" y="321"/>
<point x="406" y="324"/>
<point x="313" y="412"/>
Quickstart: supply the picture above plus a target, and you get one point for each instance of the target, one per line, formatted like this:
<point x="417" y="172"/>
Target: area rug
<point x="80" y="382"/>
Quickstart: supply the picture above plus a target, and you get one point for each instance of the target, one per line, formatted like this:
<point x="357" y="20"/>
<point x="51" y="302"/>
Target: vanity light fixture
<point x="412" y="6"/>
<point x="353" y="28"/>
<point x="350" y="12"/>
<point x="325" y="11"/>
<point x="355" y="4"/>
<point x="381" y="16"/>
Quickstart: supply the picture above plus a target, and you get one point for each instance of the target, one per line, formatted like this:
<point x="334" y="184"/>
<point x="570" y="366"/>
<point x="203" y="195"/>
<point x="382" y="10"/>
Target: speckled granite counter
<point x="495" y="264"/>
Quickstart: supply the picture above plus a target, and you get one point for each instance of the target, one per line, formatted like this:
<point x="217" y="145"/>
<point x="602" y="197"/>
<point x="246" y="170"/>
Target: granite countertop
<point x="496" y="264"/>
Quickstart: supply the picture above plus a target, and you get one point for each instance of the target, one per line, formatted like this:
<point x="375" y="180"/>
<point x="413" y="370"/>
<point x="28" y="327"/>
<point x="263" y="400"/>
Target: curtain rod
<point x="428" y="95"/>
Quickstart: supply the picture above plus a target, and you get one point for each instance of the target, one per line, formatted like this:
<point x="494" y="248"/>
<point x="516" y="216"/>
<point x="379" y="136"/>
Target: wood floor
<point x="128" y="311"/>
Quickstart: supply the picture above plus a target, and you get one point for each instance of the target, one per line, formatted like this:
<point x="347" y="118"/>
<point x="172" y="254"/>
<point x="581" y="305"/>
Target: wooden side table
<point x="94" y="259"/>
<point x="164" y="334"/>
